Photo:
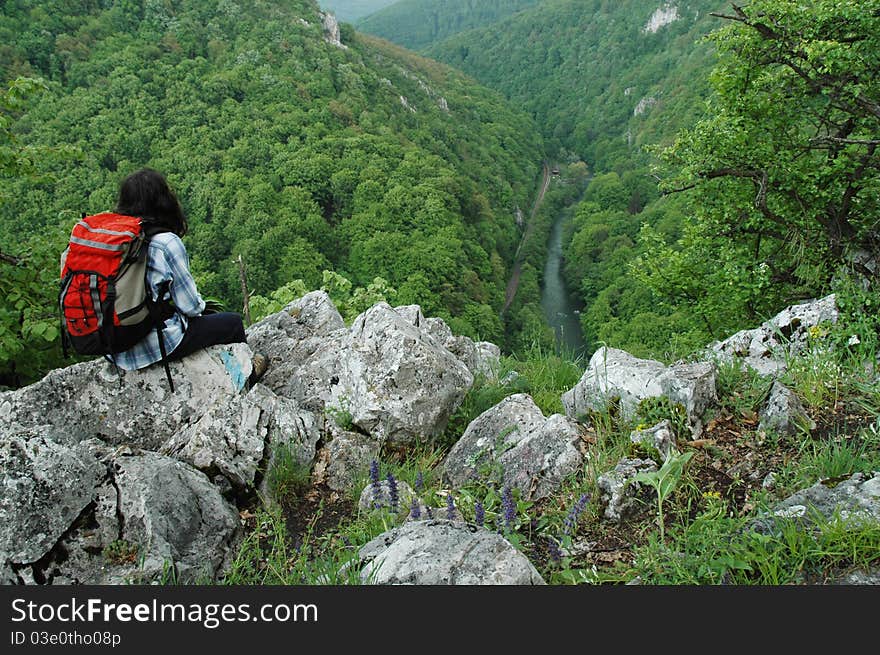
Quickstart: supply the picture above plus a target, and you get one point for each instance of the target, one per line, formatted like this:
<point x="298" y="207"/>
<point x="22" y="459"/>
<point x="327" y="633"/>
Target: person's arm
<point x="183" y="289"/>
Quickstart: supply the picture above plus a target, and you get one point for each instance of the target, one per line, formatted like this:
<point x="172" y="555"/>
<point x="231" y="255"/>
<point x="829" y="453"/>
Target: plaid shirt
<point x="167" y="261"/>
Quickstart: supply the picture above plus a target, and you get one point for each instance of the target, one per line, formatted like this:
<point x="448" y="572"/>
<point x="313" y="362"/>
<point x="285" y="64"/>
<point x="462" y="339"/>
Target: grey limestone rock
<point x="170" y="515"/>
<point x="442" y="552"/>
<point x="615" y="374"/>
<point x="347" y="459"/>
<point x="765" y="348"/>
<point x="620" y="495"/>
<point x="783" y="413"/>
<point x="46" y="485"/>
<point x="89" y="399"/>
<point x="482" y="358"/>
<point x="289" y="337"/>
<point x="855" y="500"/>
<point x="533" y="453"/>
<point x="388" y="379"/>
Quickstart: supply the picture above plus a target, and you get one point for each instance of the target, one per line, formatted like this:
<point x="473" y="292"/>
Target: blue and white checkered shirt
<point x="167" y="261"/>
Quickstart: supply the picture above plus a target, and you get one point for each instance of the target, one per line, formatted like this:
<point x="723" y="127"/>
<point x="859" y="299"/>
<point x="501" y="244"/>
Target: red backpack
<point x="105" y="306"/>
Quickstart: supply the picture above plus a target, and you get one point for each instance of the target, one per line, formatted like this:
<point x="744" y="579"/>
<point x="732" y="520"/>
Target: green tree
<point x="29" y="268"/>
<point x="784" y="172"/>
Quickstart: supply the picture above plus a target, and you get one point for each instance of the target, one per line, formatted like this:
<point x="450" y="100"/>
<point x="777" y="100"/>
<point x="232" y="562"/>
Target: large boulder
<point x="47" y="483"/>
<point x="766" y="348"/>
<point x="289" y="337"/>
<point x="135" y="408"/>
<point x="482" y="358"/>
<point x="233" y="437"/>
<point x="614" y="374"/>
<point x="382" y="377"/>
<point x="156" y="519"/>
<point x="70" y="496"/>
<point x="515" y="442"/>
<point x="442" y="552"/>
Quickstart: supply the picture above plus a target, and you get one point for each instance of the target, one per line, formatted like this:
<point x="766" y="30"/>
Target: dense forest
<point x="605" y="83"/>
<point x="293" y="154"/>
<point x="706" y="139"/>
<point x="351" y="10"/>
<point x="417" y="24"/>
<point x="729" y="153"/>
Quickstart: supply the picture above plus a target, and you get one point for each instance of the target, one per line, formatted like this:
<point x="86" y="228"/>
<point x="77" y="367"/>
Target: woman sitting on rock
<point x="145" y="194"/>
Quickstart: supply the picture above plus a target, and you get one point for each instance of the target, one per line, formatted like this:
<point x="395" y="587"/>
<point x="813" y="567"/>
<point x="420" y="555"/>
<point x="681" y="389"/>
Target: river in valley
<point x="561" y="311"/>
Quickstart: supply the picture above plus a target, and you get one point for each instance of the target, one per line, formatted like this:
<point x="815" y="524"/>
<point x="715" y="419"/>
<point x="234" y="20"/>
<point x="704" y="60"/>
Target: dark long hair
<point x="146" y="194"/>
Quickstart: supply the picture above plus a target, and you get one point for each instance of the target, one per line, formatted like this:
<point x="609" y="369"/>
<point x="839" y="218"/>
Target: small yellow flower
<point x="712" y="494"/>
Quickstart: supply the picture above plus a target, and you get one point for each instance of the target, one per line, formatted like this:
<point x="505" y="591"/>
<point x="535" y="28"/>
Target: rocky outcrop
<point x="615" y="375"/>
<point x="482" y="358"/>
<point x="442" y="552"/>
<point x="83" y="471"/>
<point x="766" y="348"/>
<point x="110" y="477"/>
<point x="660" y="18"/>
<point x="516" y="445"/>
<point x="48" y="481"/>
<point x="177" y="523"/>
<point x="135" y="408"/>
<point x="331" y="30"/>
<point x="382" y="377"/>
<point x="644" y="105"/>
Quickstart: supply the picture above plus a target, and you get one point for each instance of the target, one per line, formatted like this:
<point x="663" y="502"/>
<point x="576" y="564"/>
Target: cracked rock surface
<point x="443" y="552"/>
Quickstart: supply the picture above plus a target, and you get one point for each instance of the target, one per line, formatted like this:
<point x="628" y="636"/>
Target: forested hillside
<point x="417" y="24"/>
<point x="765" y="190"/>
<point x="595" y="74"/>
<point x="291" y="151"/>
<point x="605" y="82"/>
<point x="351" y="10"/>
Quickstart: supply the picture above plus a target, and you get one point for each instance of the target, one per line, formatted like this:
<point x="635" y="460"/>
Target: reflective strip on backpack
<point x="100" y="230"/>
<point x="118" y="247"/>
<point x="96" y="298"/>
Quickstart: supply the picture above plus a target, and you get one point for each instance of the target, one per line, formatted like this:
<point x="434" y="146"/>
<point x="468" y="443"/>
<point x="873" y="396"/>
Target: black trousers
<point x="209" y="330"/>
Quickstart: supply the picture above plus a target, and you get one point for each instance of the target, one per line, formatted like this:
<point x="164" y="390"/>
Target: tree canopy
<point x="289" y="151"/>
<point x="783" y="175"/>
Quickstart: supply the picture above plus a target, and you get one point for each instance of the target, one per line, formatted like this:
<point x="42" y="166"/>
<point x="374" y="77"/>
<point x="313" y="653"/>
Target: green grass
<point x="690" y="534"/>
<point x="287" y="477"/>
<point x="715" y="548"/>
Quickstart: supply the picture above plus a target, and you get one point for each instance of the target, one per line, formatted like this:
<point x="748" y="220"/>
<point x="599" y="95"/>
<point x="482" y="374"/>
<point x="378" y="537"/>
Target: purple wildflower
<point x="415" y="511"/>
<point x="450" y="507"/>
<point x="507" y="507"/>
<point x="577" y="509"/>
<point x="392" y="492"/>
<point x="479" y="514"/>
<point x="420" y="481"/>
